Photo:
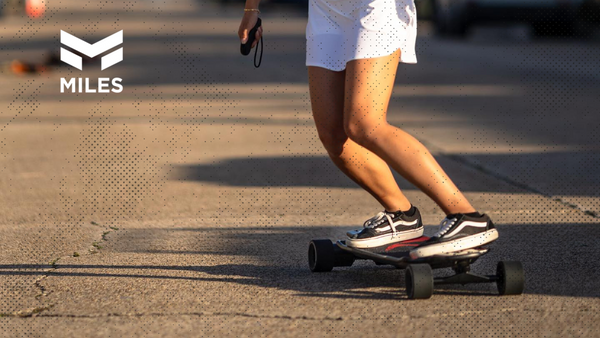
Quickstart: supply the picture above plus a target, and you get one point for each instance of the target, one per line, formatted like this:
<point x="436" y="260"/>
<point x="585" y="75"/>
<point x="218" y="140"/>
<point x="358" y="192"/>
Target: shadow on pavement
<point x="297" y="171"/>
<point x="563" y="173"/>
<point x="551" y="173"/>
<point x="556" y="258"/>
<point x="314" y="171"/>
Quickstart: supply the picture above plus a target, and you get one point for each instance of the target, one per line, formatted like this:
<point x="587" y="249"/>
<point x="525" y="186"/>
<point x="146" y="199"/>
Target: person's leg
<point x="368" y="88"/>
<point x="362" y="166"/>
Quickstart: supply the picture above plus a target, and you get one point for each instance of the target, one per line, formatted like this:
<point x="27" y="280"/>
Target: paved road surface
<point x="184" y="205"/>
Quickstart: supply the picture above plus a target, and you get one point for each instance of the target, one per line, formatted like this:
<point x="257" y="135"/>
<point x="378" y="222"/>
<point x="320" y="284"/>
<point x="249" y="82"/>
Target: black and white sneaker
<point x="457" y="232"/>
<point x="386" y="228"/>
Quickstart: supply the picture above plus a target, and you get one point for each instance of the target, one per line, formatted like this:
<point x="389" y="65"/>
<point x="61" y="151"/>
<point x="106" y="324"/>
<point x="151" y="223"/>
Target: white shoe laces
<point x="379" y="219"/>
<point x="445" y="225"/>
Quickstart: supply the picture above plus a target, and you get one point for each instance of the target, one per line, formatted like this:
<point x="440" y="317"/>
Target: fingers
<point x="243" y="31"/>
<point x="243" y="34"/>
<point x="248" y="21"/>
<point x="257" y="36"/>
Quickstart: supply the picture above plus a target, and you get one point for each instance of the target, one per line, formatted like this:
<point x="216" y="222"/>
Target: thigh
<point x="368" y="88"/>
<point x="327" y="100"/>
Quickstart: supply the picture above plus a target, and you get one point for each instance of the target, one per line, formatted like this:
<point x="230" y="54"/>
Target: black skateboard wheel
<point x="419" y="281"/>
<point x="321" y="255"/>
<point x="511" y="278"/>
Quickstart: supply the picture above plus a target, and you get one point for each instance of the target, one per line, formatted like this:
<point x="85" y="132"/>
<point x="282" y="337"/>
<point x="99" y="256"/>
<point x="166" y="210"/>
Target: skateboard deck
<point x="397" y="254"/>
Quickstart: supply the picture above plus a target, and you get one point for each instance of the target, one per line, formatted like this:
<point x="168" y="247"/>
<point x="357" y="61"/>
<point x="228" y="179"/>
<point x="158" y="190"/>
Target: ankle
<point x="474" y="214"/>
<point x="407" y="211"/>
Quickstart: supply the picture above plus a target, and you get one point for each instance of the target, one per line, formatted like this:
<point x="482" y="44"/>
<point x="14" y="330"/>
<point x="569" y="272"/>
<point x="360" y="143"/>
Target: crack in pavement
<point x="199" y="314"/>
<point x="288" y="317"/>
<point x="38" y="281"/>
<point x="524" y="186"/>
<point x="36" y="311"/>
<point x="43" y="292"/>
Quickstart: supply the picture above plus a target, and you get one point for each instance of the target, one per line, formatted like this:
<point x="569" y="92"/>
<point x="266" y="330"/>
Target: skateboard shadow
<point x="556" y="259"/>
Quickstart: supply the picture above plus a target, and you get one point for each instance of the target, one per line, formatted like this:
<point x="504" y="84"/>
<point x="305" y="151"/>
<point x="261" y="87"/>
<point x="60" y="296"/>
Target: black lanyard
<point x="256" y="52"/>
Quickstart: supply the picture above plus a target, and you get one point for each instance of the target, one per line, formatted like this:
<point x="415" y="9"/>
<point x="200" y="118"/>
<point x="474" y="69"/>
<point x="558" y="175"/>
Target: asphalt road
<point x="184" y="205"/>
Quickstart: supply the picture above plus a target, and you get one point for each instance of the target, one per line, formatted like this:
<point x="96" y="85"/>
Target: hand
<point x="248" y="21"/>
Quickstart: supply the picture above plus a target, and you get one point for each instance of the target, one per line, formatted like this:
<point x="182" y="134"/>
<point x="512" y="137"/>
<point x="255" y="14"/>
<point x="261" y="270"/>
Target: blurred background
<point x="524" y="74"/>
<point x="205" y="162"/>
<point x="450" y="17"/>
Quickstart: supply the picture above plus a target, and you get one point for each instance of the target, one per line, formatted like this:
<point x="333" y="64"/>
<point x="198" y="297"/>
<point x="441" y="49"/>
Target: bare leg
<point x="368" y="88"/>
<point x="361" y="165"/>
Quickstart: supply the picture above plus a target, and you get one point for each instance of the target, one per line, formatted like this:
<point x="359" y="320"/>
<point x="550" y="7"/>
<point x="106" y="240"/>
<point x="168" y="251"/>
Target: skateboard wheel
<point x="321" y="256"/>
<point x="419" y="281"/>
<point x="511" y="278"/>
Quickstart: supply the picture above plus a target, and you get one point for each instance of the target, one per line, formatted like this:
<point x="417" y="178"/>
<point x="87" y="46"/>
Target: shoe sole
<point x="353" y="233"/>
<point x="459" y="244"/>
<point x="385" y="239"/>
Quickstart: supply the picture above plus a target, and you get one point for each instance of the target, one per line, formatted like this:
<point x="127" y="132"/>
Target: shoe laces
<point x="445" y="225"/>
<point x="378" y="219"/>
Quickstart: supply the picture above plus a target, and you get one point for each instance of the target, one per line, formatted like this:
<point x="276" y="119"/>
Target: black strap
<point x="245" y="48"/>
<point x="256" y="52"/>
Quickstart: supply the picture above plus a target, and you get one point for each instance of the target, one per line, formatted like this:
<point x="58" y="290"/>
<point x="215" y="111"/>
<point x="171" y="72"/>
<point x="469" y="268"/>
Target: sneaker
<point x="457" y="232"/>
<point x="386" y="228"/>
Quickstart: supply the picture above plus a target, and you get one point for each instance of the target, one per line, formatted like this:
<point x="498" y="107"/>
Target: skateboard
<point x="324" y="255"/>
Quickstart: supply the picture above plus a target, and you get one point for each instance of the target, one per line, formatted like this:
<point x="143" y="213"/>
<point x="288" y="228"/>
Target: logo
<point x="91" y="50"/>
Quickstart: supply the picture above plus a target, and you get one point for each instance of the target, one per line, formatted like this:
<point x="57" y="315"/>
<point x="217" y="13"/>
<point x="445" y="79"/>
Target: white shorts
<point x="342" y="30"/>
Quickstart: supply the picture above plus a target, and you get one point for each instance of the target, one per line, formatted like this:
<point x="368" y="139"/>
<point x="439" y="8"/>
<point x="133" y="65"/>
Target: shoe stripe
<point x="407" y="223"/>
<point x="465" y="224"/>
<point x="404" y="223"/>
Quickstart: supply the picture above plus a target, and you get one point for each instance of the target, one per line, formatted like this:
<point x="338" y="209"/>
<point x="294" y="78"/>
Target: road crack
<point x="307" y="318"/>
<point x="43" y="292"/>
<point x="503" y="178"/>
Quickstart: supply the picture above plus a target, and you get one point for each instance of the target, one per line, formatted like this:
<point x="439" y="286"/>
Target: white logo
<point x="91" y="50"/>
<point x="82" y="85"/>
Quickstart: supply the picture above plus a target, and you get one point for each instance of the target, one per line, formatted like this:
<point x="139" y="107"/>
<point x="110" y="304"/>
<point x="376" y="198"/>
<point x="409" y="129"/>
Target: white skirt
<point x="342" y="30"/>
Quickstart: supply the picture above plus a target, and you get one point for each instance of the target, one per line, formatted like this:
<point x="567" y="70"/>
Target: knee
<point x="362" y="132"/>
<point x="333" y="140"/>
